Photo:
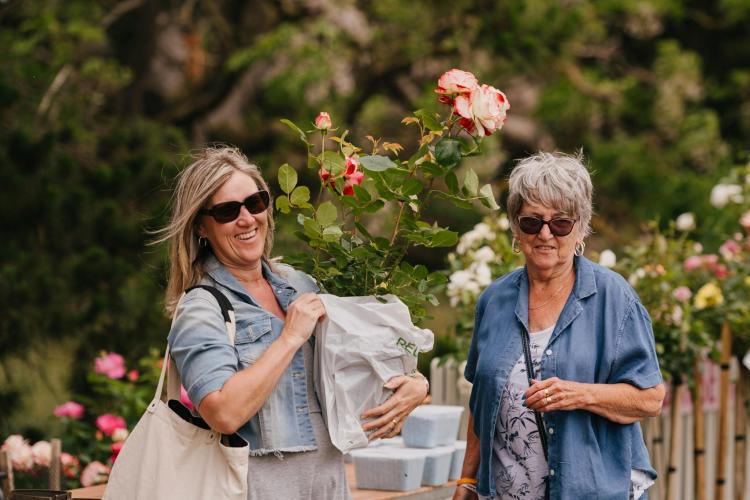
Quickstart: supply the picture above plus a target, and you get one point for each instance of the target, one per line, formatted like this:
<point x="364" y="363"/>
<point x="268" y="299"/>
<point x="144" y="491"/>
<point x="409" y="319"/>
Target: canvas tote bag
<point x="173" y="455"/>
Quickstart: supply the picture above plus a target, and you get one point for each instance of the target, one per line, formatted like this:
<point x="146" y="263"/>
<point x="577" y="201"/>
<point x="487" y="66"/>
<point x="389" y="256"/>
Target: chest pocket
<point x="253" y="338"/>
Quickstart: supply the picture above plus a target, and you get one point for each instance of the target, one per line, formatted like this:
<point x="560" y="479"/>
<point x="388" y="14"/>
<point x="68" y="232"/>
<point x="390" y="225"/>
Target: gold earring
<point x="515" y="245"/>
<point x="580" y="248"/>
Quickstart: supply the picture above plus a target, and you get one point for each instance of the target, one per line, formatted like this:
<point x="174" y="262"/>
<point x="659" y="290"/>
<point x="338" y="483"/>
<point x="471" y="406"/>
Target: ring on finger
<point x="394" y="422"/>
<point x="547" y="400"/>
<point x="546" y="393"/>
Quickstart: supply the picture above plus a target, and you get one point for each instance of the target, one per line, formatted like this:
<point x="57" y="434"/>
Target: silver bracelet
<point x="415" y="374"/>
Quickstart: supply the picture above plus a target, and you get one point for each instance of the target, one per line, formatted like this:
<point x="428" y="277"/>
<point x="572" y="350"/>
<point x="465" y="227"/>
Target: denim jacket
<point x="603" y="336"/>
<point x="205" y="359"/>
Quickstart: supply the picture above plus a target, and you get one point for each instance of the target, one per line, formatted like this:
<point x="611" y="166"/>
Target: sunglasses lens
<point x="226" y="212"/>
<point x="257" y="203"/>
<point x="530" y="225"/>
<point x="561" y="227"/>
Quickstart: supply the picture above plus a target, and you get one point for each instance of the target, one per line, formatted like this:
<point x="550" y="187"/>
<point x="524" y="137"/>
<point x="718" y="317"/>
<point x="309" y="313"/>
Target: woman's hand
<point x="620" y="402"/>
<point x="301" y="317"/>
<point x="389" y="417"/>
<point x="554" y="394"/>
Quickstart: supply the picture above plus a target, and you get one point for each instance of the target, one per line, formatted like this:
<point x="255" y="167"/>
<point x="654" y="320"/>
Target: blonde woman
<point x="221" y="234"/>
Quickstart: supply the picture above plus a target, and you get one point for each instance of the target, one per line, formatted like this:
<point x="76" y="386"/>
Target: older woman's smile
<point x="248" y="235"/>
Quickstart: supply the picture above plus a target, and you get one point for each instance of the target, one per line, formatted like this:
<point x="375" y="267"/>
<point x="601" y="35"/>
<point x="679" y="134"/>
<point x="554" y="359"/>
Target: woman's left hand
<point x="554" y="394"/>
<point x="388" y="418"/>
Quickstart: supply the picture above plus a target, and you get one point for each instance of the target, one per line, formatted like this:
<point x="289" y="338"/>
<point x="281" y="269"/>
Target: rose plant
<point x="347" y="255"/>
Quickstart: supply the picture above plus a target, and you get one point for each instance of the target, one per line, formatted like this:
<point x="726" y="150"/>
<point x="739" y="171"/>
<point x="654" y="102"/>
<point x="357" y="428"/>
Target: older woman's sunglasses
<point x="230" y="210"/>
<point x="558" y="227"/>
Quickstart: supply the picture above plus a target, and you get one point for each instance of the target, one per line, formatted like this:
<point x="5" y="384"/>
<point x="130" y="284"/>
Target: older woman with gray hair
<point x="562" y="360"/>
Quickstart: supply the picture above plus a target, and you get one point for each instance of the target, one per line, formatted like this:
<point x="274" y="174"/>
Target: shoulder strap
<point x="173" y="376"/>
<point x="530" y="375"/>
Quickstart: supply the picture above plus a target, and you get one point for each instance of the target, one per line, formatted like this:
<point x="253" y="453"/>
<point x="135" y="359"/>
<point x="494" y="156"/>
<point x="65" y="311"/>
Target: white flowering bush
<point x="482" y="255"/>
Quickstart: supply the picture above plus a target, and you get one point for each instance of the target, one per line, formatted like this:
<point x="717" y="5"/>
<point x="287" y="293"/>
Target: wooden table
<point x="424" y="493"/>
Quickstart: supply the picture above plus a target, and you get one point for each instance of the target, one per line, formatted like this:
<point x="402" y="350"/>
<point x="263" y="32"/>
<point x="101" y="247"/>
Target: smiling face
<point x="545" y="252"/>
<point x="238" y="244"/>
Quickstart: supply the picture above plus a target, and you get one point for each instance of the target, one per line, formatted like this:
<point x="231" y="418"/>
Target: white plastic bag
<point x="361" y="344"/>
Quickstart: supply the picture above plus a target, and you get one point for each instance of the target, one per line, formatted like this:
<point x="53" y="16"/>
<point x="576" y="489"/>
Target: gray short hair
<point x="555" y="180"/>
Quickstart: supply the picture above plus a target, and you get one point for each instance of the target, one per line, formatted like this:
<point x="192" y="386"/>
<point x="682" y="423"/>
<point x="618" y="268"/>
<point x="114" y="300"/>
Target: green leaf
<point x="334" y="162"/>
<point x="429" y="119"/>
<point x="444" y="238"/>
<point x="282" y="204"/>
<point x="332" y="233"/>
<point x="362" y="230"/>
<point x="432" y="168"/>
<point x="300" y="196"/>
<point x="377" y="163"/>
<point x="361" y="193"/>
<point x="488" y="197"/>
<point x="287" y="178"/>
<point x="471" y="182"/>
<point x="452" y="182"/>
<point x="373" y="206"/>
<point x="412" y="187"/>
<point x="326" y="214"/>
<point x="312" y="229"/>
<point x="448" y="152"/>
<point x="291" y="125"/>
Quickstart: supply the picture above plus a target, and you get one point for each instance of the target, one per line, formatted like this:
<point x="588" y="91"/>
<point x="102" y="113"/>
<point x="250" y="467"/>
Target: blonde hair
<point x="194" y="187"/>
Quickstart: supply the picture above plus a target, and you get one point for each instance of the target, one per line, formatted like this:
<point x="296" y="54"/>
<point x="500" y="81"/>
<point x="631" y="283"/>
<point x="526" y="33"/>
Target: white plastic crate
<point x="429" y="426"/>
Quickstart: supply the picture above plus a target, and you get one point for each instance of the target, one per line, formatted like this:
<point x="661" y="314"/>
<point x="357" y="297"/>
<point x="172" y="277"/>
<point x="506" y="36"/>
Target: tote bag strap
<point x="173" y="379"/>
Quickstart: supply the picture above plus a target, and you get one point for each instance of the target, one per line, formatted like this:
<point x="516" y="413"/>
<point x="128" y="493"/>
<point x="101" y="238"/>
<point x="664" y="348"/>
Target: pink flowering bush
<point x="369" y="207"/>
<point x="94" y="429"/>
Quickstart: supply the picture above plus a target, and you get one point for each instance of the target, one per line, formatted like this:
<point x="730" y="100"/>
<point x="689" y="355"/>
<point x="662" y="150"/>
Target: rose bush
<point x="349" y="255"/>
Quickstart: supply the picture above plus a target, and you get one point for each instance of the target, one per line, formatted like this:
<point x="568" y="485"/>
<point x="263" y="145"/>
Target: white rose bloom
<point x="503" y="222"/>
<point x="685" y="222"/>
<point x="722" y="194"/>
<point x="19" y="452"/>
<point x="42" y="453"/>
<point x="607" y="258"/>
<point x="698" y="248"/>
<point x="120" y="435"/>
<point x="677" y="315"/>
<point x="484" y="254"/>
<point x="483" y="274"/>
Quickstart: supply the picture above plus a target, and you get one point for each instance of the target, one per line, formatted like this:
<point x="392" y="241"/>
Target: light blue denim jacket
<point x="205" y="359"/>
<point x="603" y="335"/>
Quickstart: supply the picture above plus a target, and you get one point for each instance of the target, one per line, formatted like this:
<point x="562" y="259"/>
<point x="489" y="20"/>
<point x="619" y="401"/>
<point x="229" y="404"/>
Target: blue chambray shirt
<point x="603" y="335"/>
<point x="205" y="360"/>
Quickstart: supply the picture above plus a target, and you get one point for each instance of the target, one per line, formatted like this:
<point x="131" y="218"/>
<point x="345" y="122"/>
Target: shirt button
<point x="551" y="430"/>
<point x="552" y="472"/>
<point x="549" y="352"/>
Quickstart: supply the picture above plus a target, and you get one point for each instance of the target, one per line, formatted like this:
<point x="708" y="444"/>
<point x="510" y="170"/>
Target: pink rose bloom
<point x="730" y="249"/>
<point x="454" y="82"/>
<point x="721" y="271"/>
<point x="483" y="110"/>
<point x="42" y="453"/>
<point x="352" y="175"/>
<point x="19" y="452"/>
<point x="185" y="399"/>
<point x="116" y="447"/>
<point x="323" y="121"/>
<point x="682" y="293"/>
<point x="94" y="473"/>
<point x="111" y="364"/>
<point x="692" y="263"/>
<point x="70" y="465"/>
<point x="69" y="409"/>
<point x="109" y="423"/>
<point x="133" y="375"/>
<point x="710" y="259"/>
<point x="745" y="221"/>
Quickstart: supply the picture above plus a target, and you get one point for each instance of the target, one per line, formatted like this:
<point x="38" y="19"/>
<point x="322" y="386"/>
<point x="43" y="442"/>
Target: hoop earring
<point x="515" y="245"/>
<point x="580" y="248"/>
<point x="202" y="242"/>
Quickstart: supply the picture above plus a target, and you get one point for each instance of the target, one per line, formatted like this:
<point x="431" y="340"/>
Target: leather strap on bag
<point x="537" y="415"/>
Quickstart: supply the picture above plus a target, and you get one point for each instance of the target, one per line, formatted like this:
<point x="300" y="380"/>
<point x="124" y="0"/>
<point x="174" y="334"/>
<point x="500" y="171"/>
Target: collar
<point x="584" y="286"/>
<point x="221" y="275"/>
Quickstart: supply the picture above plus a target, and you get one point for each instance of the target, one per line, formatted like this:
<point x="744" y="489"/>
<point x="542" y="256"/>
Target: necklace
<point x="552" y="297"/>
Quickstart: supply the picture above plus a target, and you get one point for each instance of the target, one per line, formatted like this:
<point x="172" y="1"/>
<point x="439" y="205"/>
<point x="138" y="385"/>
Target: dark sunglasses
<point x="230" y="210"/>
<point x="558" y="227"/>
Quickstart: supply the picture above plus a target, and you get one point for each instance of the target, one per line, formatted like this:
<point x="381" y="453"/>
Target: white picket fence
<point x="448" y="386"/>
